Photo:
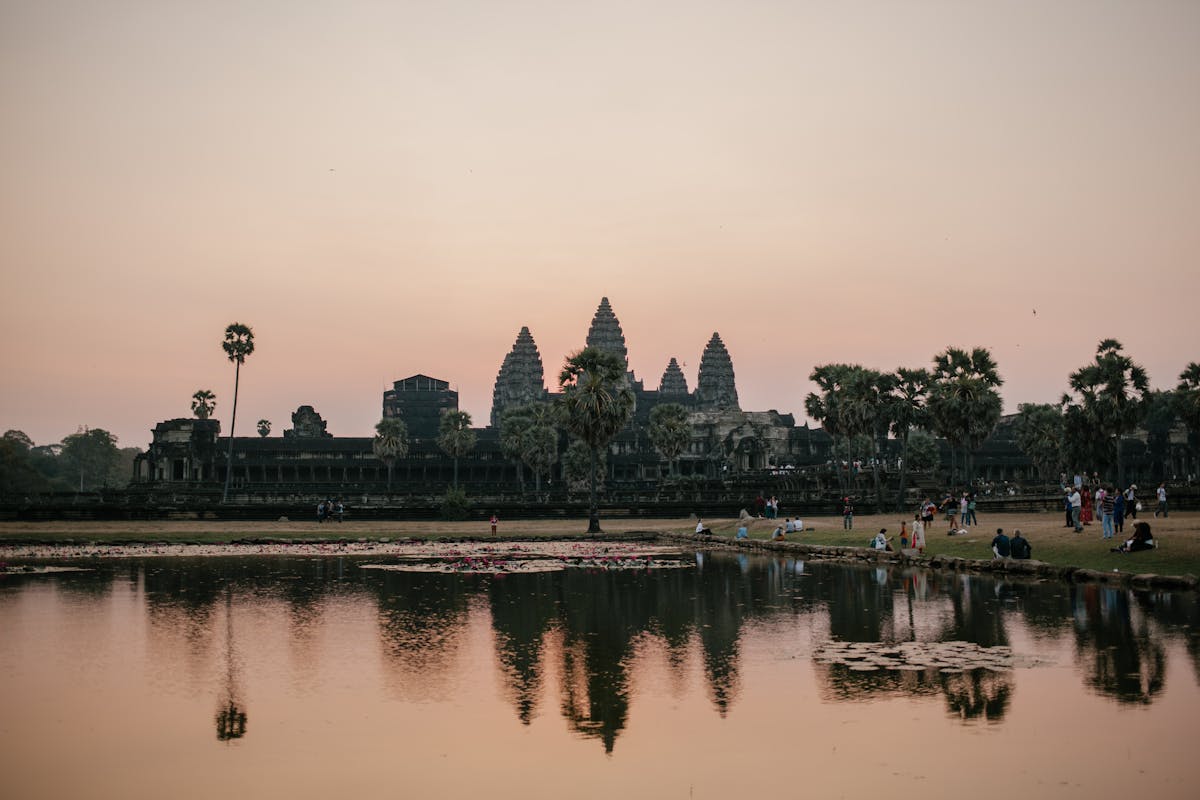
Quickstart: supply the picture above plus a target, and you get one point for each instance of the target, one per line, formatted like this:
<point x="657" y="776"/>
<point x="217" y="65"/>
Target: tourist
<point x="759" y="505"/>
<point x="789" y="526"/>
<point x="1020" y="547"/>
<point x="1076" y="501"/>
<point x="918" y="534"/>
<point x="773" y="507"/>
<point x="799" y="525"/>
<point x="1085" y="506"/>
<point x="321" y="512"/>
<point x="494" y="522"/>
<point x="847" y="514"/>
<point x="777" y="535"/>
<point x="971" y="509"/>
<point x="1101" y="493"/>
<point x="1001" y="547"/>
<point x="1107" y="507"/>
<point x="950" y="508"/>
<point x="339" y="510"/>
<point x="1142" y="539"/>
<point x="1131" y="503"/>
<point x="742" y="532"/>
<point x="963" y="514"/>
<point x="903" y="535"/>
<point x="700" y="529"/>
<point x="1119" y="512"/>
<point x="881" y="541"/>
<point x="928" y="510"/>
<point x="1161" y="508"/>
<point x="1067" y="507"/>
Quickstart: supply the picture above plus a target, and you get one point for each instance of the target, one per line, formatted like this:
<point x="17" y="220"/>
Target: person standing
<point x="1067" y="508"/>
<point x="1107" y="507"/>
<point x="971" y="508"/>
<point x="918" y="534"/>
<point x="1119" y="512"/>
<point x="494" y="522"/>
<point x="847" y="514"/>
<point x="1085" y="505"/>
<point x="1076" y="501"/>
<point x="1131" y="501"/>
<point x="963" y="514"/>
<point x="1161" y="508"/>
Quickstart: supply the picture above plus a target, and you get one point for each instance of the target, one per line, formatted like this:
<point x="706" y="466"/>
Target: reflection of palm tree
<point x="1119" y="660"/>
<point x="523" y="610"/>
<point x="978" y="693"/>
<point x="231" y="719"/>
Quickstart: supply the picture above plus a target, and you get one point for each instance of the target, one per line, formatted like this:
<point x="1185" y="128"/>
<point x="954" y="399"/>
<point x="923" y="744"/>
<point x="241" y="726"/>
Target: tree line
<point x="84" y="461"/>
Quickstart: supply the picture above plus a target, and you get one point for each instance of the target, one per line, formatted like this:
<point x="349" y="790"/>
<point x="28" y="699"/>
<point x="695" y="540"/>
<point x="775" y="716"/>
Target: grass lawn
<point x="1178" y="537"/>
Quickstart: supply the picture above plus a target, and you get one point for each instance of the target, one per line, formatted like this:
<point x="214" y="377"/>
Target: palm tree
<point x="596" y="404"/>
<point x="1039" y="432"/>
<point x="515" y="427"/>
<point x="1106" y="400"/>
<point x="909" y="395"/>
<point x="866" y="407"/>
<point x="238" y="344"/>
<point x="264" y="428"/>
<point x="827" y="408"/>
<point x="455" y="436"/>
<point x="964" y="404"/>
<point x="1187" y="400"/>
<point x="541" y="450"/>
<point x="390" y="443"/>
<point x="670" y="432"/>
<point x="203" y="403"/>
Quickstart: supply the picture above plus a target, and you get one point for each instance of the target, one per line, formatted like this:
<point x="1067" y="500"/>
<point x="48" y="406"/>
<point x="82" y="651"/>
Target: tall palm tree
<point x="1187" y="400"/>
<point x="455" y="436"/>
<point x="390" y="443"/>
<point x="204" y="402"/>
<point x="238" y="344"/>
<point x="670" y="432"/>
<point x="596" y="404"/>
<point x="826" y="408"/>
<point x="964" y="404"/>
<point x="515" y="427"/>
<point x="866" y="407"/>
<point x="908" y="411"/>
<point x="1106" y="400"/>
<point x="1039" y="432"/>
<point x="541" y="450"/>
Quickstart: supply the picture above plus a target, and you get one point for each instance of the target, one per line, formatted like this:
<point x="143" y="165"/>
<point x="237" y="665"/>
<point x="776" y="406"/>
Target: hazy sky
<point x="386" y="188"/>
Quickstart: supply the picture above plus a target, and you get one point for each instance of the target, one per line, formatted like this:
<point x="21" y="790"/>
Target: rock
<point x="283" y="519"/>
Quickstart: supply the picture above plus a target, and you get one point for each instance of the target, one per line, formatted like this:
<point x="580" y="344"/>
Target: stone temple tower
<point x="715" y="389"/>
<point x="673" y="384"/>
<point x="521" y="379"/>
<point x="605" y="333"/>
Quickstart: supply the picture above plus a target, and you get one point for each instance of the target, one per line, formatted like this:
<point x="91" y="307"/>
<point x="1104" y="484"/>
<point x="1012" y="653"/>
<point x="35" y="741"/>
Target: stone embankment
<point x="1002" y="566"/>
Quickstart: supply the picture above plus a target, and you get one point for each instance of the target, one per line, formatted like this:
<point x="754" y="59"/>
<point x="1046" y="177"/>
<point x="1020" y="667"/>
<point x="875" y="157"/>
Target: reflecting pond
<point x="310" y="677"/>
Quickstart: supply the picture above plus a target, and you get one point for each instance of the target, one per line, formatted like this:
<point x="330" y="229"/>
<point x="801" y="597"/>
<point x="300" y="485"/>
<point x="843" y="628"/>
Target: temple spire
<point x="715" y="386"/>
<point x="605" y="333"/>
<point x="521" y="378"/>
<point x="673" y="380"/>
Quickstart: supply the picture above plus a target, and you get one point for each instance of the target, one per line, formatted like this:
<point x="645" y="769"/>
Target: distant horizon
<point x="384" y="189"/>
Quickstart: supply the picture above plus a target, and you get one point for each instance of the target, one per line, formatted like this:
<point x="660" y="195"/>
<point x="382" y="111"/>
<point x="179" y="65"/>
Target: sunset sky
<point x="388" y="188"/>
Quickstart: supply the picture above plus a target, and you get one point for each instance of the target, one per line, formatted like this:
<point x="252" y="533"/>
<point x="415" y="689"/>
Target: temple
<point x="731" y="448"/>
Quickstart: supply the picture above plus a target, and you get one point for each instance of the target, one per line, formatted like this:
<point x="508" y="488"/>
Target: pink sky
<point x="386" y="188"/>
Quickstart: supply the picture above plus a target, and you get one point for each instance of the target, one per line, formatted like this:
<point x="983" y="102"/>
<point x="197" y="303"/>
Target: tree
<point x="204" y="402"/>
<point x="1158" y="420"/>
<point x="923" y="451"/>
<point x="910" y="392"/>
<point x="1187" y="401"/>
<point x="238" y="344"/>
<point x="577" y="465"/>
<point x="19" y="439"/>
<point x="670" y="432"/>
<point x="865" y="406"/>
<point x="596" y="404"/>
<point x="18" y="475"/>
<point x="1039" y="431"/>
<point x="1106" y="400"/>
<point x="515" y="427"/>
<point x="964" y="404"/>
<point x="825" y="408"/>
<point x="92" y="453"/>
<point x="264" y="428"/>
<point x="455" y="436"/>
<point x="390" y="443"/>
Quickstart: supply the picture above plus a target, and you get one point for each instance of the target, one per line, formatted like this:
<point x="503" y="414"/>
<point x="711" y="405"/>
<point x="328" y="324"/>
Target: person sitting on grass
<point x="1142" y="539"/>
<point x="1001" y="547"/>
<point x="701" y="530"/>
<point x="881" y="541"/>
<point x="1020" y="547"/>
<point x="778" y="536"/>
<point x="742" y="532"/>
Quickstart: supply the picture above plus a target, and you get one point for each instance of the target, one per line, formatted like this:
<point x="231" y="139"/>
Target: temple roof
<point x="673" y="380"/>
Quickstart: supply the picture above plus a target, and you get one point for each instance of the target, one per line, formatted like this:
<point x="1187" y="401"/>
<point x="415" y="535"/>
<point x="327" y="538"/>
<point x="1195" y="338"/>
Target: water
<point x="310" y="677"/>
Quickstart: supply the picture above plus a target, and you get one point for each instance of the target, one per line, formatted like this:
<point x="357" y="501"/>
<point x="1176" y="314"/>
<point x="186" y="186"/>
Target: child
<point x="903" y="535"/>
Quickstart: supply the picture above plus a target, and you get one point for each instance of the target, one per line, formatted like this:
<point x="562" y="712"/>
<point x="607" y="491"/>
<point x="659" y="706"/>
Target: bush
<point x="455" y="505"/>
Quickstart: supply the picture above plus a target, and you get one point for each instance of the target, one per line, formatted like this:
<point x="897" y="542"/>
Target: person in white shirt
<point x="1076" y="505"/>
<point x="1162" y="500"/>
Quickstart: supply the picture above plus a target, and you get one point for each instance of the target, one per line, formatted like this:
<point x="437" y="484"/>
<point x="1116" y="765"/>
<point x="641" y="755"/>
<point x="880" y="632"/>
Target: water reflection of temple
<point x="568" y="643"/>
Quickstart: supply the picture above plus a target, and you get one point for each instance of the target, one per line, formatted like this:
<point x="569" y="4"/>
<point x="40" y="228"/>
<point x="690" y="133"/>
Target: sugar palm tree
<point x="390" y="443"/>
<point x="515" y="427"/>
<point x="541" y="446"/>
<point x="670" y="432"/>
<point x="204" y="402"/>
<point x="1187" y="399"/>
<point x="964" y="404"/>
<point x="238" y="344"/>
<point x="455" y="436"/>
<point x="866" y="406"/>
<point x="826" y="408"/>
<point x="1106" y="400"/>
<point x="264" y="428"/>
<point x="596" y="404"/>
<point x="908" y="411"/>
